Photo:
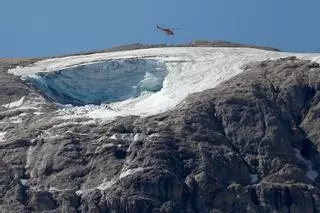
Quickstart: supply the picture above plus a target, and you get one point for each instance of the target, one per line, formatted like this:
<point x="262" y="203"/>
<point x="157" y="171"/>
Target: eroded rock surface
<point x="249" y="145"/>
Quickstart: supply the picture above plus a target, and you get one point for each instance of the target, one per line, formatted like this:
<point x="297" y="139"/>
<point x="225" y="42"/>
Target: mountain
<point x="185" y="129"/>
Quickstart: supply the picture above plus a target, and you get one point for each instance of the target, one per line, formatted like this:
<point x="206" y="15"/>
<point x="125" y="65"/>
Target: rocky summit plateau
<point x="208" y="127"/>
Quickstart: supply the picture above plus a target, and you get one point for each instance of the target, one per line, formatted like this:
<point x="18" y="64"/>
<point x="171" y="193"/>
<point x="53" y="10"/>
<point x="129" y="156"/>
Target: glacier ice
<point x="101" y="82"/>
<point x="158" y="79"/>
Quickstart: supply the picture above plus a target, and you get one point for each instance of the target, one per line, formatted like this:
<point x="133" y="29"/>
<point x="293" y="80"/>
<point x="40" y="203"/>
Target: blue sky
<point x="47" y="28"/>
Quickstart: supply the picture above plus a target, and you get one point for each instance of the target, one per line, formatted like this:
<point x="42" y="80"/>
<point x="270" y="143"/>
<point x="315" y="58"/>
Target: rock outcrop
<point x="249" y="145"/>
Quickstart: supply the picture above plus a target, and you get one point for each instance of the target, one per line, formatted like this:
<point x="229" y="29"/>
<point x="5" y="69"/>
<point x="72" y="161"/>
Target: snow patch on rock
<point x="123" y="136"/>
<point x="2" y="136"/>
<point x="24" y="182"/>
<point x="254" y="178"/>
<point x="139" y="137"/>
<point x="30" y="152"/>
<point x="38" y="113"/>
<point x="14" y="104"/>
<point x="107" y="184"/>
<point x="311" y="174"/>
<point x="130" y="172"/>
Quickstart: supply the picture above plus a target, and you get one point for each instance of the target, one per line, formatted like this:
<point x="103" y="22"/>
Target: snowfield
<point x="139" y="82"/>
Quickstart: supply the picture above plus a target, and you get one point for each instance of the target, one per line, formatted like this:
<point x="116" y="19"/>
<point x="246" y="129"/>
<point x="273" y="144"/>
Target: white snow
<point x="130" y="172"/>
<point x="29" y="157"/>
<point x="107" y="145"/>
<point x="2" y="134"/>
<point x="189" y="70"/>
<point x="103" y="186"/>
<point x="254" y="178"/>
<point x="123" y="136"/>
<point x="139" y="137"/>
<point x="130" y="137"/>
<point x="311" y="174"/>
<point x="107" y="184"/>
<point x="16" y="119"/>
<point x="114" y="137"/>
<point x="154" y="135"/>
<point x="79" y="192"/>
<point x="54" y="189"/>
<point x="38" y="113"/>
<point x="24" y="182"/>
<point x="14" y="104"/>
<point x="23" y="114"/>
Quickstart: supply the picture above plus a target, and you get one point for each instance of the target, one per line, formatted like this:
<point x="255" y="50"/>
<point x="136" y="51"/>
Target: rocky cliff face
<point x="249" y="145"/>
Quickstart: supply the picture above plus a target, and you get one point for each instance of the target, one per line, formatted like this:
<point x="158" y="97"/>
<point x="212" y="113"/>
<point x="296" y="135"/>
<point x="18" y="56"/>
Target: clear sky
<point x="47" y="28"/>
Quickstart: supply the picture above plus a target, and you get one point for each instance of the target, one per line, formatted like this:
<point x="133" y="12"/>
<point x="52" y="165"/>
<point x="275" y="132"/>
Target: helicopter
<point x="168" y="31"/>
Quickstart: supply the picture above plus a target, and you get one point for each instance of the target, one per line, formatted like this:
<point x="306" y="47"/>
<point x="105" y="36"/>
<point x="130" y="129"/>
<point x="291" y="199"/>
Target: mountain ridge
<point x="135" y="46"/>
<point x="196" y="43"/>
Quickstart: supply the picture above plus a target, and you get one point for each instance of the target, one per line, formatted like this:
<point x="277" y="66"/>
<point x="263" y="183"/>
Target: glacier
<point x="101" y="82"/>
<point x="138" y="82"/>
